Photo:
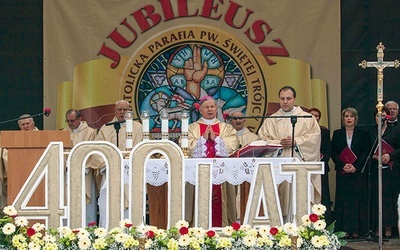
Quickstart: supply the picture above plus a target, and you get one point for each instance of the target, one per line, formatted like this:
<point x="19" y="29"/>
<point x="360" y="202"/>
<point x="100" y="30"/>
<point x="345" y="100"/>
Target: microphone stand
<point x="293" y="120"/>
<point x="117" y="127"/>
<point x="22" y="118"/>
<point x="368" y="163"/>
<point x="380" y="174"/>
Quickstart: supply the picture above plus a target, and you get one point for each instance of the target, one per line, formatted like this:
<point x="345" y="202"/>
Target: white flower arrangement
<point x="312" y="234"/>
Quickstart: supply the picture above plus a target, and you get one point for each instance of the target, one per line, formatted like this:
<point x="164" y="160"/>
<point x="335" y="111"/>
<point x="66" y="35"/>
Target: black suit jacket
<point x="359" y="145"/>
<point x="326" y="149"/>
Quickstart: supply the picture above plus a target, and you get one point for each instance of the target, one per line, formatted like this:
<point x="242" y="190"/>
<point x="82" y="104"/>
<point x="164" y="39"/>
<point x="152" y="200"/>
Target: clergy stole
<point x="216" y="205"/>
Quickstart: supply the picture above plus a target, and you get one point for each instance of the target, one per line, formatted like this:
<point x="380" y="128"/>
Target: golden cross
<point x="380" y="65"/>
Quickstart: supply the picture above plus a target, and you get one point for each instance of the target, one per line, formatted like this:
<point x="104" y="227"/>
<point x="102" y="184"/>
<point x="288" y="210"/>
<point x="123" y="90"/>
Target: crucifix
<point x="380" y="65"/>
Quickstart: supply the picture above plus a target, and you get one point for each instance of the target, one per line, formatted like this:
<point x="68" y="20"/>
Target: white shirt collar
<point x="75" y="130"/>
<point x="208" y="121"/>
<point x="240" y="132"/>
<point x="289" y="112"/>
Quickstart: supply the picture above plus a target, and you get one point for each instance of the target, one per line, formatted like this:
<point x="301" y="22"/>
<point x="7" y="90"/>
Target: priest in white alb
<point x="305" y="144"/>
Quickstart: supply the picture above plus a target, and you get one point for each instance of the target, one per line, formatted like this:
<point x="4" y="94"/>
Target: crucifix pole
<point x="380" y="65"/>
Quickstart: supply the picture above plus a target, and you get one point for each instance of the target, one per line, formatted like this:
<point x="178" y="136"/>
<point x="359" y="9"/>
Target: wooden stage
<point x="388" y="244"/>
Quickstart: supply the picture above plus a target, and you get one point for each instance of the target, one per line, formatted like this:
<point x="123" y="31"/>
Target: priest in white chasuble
<point x="305" y="144"/>
<point x="109" y="133"/>
<point x="80" y="131"/>
<point x="211" y="138"/>
<point x="237" y="120"/>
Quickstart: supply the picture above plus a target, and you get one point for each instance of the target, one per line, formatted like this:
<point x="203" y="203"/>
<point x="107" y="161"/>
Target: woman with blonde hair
<point x="349" y="153"/>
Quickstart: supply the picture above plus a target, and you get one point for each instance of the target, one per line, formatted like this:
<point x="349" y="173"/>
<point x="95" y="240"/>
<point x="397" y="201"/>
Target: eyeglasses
<point x="392" y="108"/>
<point x="122" y="109"/>
<point x="237" y="118"/>
<point x="68" y="121"/>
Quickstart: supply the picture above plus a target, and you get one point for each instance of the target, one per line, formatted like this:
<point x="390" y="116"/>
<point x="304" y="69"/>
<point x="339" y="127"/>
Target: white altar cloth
<point x="232" y="170"/>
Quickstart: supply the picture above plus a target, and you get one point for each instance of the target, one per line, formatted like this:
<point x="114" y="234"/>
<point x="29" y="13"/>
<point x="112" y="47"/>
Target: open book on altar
<point x="386" y="149"/>
<point x="258" y="148"/>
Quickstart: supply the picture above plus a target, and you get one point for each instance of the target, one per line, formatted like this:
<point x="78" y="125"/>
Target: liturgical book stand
<point x="24" y="150"/>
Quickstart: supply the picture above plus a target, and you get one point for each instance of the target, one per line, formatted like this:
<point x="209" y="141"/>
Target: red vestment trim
<point x="216" y="205"/>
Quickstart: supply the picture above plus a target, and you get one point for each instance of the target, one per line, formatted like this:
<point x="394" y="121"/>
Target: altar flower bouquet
<point x="315" y="235"/>
<point x="312" y="234"/>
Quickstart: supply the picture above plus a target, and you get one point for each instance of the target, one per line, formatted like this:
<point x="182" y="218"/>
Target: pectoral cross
<point x="380" y="65"/>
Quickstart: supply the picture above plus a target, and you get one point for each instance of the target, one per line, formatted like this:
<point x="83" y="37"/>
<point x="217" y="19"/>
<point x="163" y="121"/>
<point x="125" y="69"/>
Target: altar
<point x="235" y="171"/>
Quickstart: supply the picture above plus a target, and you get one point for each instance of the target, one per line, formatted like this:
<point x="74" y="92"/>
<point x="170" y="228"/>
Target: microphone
<point x="47" y="112"/>
<point x="226" y="117"/>
<point x="386" y="118"/>
<point x="113" y="123"/>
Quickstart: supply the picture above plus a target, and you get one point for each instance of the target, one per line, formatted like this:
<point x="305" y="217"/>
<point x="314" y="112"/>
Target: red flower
<point x="91" y="224"/>
<point x="236" y="226"/>
<point x="30" y="232"/>
<point x="128" y="225"/>
<point x="75" y="231"/>
<point x="150" y="234"/>
<point x="273" y="230"/>
<point x="313" y="217"/>
<point x="196" y="106"/>
<point x="210" y="233"/>
<point x="183" y="230"/>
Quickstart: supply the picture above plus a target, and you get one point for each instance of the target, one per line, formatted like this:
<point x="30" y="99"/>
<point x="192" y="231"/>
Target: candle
<point x="129" y="143"/>
<point x="164" y="126"/>
<point x="184" y="142"/>
<point x="129" y="125"/>
<point x="146" y="125"/>
<point x="145" y="121"/>
<point x="185" y="122"/>
<point x="129" y="129"/>
<point x="164" y="121"/>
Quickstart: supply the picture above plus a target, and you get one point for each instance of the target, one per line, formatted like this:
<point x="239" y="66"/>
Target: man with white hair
<point x="237" y="120"/>
<point x="109" y="133"/>
<point x="25" y="123"/>
<point x="393" y="108"/>
<point x="210" y="138"/>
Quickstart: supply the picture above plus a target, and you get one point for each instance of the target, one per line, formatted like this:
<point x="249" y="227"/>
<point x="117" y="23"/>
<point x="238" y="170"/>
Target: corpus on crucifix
<point x="380" y="65"/>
